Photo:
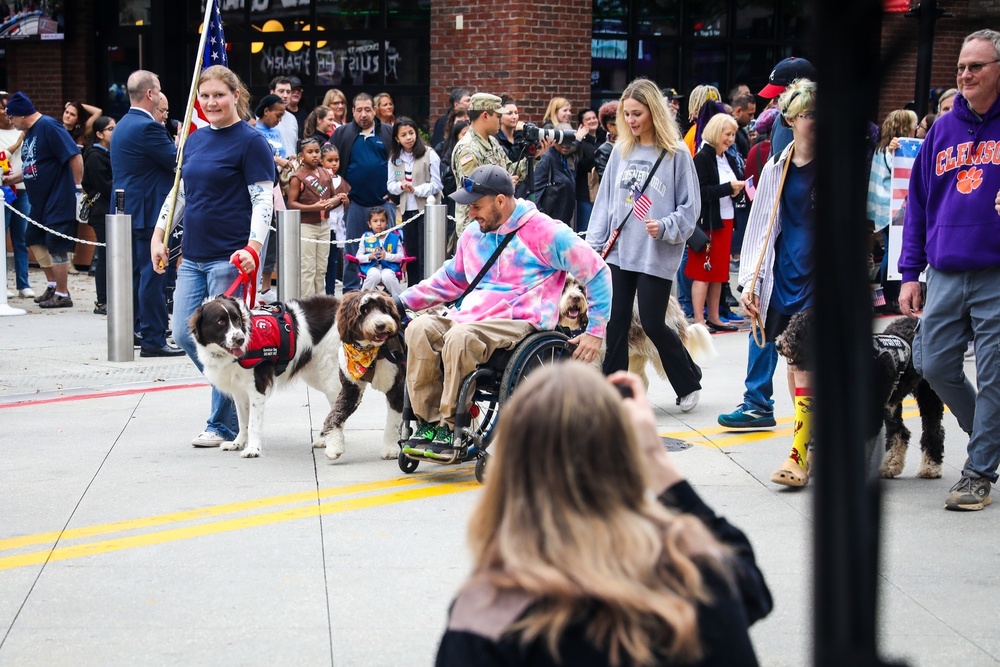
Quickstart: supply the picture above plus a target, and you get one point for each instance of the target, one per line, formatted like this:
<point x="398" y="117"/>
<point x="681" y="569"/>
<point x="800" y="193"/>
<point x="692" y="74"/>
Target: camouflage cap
<point x="487" y="102"/>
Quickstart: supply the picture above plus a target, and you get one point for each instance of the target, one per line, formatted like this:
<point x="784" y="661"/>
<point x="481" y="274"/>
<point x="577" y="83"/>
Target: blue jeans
<point x="761" y="362"/>
<point x="356" y="222"/>
<point x="195" y="282"/>
<point x="583" y="211"/>
<point x="18" y="228"/>
<point x="684" y="286"/>
<point x="958" y="306"/>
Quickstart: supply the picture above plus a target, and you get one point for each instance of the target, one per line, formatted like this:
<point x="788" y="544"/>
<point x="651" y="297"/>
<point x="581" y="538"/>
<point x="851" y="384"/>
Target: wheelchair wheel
<point x="537" y="350"/>
<point x="484" y="407"/>
<point x="406" y="464"/>
<point x="481" y="469"/>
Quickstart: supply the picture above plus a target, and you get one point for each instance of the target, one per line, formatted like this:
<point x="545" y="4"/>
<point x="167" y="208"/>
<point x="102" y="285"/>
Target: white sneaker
<point x="270" y="296"/>
<point x="688" y="402"/>
<point x="208" y="439"/>
<point x="26" y="293"/>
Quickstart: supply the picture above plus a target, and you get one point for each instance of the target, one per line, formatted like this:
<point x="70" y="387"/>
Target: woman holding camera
<point x="641" y="570"/>
<point x="649" y="163"/>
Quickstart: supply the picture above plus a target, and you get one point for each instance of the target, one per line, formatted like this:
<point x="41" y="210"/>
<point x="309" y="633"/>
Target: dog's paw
<point x="334" y="444"/>
<point x="892" y="464"/>
<point x="251" y="453"/>
<point x="230" y="446"/>
<point x="319" y="443"/>
<point x="929" y="469"/>
<point x="390" y="452"/>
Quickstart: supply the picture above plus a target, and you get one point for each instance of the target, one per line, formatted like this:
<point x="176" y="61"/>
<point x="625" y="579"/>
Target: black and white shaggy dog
<point x="696" y="338"/>
<point x="371" y="354"/>
<point x="248" y="355"/>
<point x="895" y="379"/>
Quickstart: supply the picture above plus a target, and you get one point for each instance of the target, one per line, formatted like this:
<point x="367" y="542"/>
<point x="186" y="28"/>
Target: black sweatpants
<point x="653" y="296"/>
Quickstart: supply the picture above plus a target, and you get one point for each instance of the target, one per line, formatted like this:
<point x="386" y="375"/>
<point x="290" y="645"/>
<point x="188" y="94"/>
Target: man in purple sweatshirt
<point x="952" y="230"/>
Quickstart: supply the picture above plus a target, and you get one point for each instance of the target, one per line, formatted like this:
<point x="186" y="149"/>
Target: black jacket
<point x="97" y="179"/>
<point x="585" y="152"/>
<point x="555" y="188"/>
<point x="601" y="157"/>
<point x="711" y="189"/>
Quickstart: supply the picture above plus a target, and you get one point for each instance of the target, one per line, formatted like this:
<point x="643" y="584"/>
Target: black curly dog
<point x="895" y="379"/>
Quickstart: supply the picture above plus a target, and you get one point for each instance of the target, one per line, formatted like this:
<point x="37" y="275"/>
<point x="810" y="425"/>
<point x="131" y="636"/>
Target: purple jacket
<point x="951" y="223"/>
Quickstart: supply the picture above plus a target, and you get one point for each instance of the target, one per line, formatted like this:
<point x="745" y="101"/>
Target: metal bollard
<point x="120" y="316"/>
<point x="435" y="236"/>
<point x="289" y="255"/>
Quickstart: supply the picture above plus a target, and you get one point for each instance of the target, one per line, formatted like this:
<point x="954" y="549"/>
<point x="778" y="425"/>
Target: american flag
<point x="215" y="54"/>
<point x="902" y="166"/>
<point x="749" y="188"/>
<point x="641" y="204"/>
<point x="878" y="297"/>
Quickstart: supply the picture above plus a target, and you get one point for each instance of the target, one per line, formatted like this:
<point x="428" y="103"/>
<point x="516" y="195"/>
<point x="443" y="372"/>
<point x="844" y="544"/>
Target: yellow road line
<point x="218" y="510"/>
<point x="229" y="525"/>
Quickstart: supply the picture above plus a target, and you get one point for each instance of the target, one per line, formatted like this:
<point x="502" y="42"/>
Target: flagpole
<point x="188" y="112"/>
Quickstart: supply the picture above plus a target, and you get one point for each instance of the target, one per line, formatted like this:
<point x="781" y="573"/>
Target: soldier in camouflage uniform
<point x="479" y="147"/>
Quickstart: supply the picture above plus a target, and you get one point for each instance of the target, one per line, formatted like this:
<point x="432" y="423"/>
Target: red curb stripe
<point x="100" y="394"/>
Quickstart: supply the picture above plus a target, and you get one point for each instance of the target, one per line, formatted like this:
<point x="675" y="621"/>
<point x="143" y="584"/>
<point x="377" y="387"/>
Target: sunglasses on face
<point x="470" y="185"/>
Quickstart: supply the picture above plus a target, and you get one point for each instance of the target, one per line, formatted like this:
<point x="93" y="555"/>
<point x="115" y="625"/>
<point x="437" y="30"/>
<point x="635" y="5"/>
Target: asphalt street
<point x="122" y="544"/>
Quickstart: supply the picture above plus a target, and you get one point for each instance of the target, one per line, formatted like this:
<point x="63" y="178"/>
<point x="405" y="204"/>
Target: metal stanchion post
<point x="435" y="236"/>
<point x="6" y="310"/>
<point x="120" y="317"/>
<point x="289" y="255"/>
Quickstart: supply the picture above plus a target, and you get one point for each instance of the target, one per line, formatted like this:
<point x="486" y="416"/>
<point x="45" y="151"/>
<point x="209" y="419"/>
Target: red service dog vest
<point x="272" y="338"/>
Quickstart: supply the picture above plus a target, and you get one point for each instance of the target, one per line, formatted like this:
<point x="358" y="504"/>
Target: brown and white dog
<point x="696" y="338"/>
<point x="248" y="355"/>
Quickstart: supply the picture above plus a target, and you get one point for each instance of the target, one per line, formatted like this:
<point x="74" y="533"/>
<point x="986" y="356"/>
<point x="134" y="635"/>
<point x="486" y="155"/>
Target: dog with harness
<point x="248" y="354"/>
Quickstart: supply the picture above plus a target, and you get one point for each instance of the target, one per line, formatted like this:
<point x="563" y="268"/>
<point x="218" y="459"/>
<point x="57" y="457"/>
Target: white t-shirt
<point x="726" y="175"/>
<point x="7" y="139"/>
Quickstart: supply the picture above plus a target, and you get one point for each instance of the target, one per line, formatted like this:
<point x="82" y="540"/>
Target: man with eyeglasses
<point x="950" y="231"/>
<point x="519" y="294"/>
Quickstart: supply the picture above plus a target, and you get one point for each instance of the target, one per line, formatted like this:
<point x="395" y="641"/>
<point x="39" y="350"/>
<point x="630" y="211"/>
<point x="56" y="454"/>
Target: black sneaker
<point x="970" y="493"/>
<point x="46" y="295"/>
<point x="57" y="301"/>
<point x="100" y="308"/>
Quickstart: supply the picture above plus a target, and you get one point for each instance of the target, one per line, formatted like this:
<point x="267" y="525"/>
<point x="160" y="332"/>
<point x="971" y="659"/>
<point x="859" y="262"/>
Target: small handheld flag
<point x="641" y="204"/>
<point x="750" y="189"/>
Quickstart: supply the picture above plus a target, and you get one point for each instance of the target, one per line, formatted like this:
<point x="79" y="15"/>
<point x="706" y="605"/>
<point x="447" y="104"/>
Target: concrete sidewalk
<point x="122" y="544"/>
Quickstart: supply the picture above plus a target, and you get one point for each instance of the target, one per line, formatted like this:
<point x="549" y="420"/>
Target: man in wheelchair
<point x="523" y="256"/>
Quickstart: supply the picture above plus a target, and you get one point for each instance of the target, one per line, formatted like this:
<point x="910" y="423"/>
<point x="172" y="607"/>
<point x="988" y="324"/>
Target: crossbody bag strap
<point x="482" y="272"/>
<point x="618" y="230"/>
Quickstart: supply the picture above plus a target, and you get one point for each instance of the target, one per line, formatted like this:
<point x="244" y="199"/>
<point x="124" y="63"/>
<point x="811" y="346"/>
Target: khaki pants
<point x="441" y="352"/>
<point x="315" y="257"/>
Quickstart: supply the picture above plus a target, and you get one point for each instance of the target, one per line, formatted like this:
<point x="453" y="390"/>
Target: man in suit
<point x="142" y="161"/>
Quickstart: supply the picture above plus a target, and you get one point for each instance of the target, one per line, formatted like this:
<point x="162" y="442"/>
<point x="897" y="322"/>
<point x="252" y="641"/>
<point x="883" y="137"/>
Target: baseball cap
<point x="784" y="73"/>
<point x="484" y="181"/>
<point x="296" y="82"/>
<point x="671" y="94"/>
<point x="487" y="102"/>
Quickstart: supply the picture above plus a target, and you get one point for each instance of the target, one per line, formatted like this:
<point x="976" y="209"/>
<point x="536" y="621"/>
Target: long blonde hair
<point x="555" y="104"/>
<point x="898" y="123"/>
<point x="566" y="518"/>
<point x="666" y="134"/>
<point x="233" y="82"/>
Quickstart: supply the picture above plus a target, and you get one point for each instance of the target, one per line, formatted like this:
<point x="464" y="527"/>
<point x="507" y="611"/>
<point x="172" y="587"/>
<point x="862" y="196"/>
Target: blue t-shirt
<point x="366" y="172"/>
<point x="218" y="167"/>
<point x="45" y="156"/>
<point x="793" y="261"/>
<point x="273" y="138"/>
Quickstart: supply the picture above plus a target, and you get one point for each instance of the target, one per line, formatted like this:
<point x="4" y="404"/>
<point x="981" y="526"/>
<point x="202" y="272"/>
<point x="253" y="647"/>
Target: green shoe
<point x="422" y="437"/>
<point x="441" y="447"/>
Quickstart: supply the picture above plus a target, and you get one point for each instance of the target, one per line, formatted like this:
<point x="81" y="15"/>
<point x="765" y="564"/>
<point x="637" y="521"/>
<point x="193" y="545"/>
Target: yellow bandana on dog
<point x="359" y="360"/>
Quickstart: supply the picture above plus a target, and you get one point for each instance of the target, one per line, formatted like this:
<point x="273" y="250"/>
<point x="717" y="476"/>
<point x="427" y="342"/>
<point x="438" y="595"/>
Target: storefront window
<point x="611" y="16"/>
<point x="707" y="18"/>
<point x="609" y="65"/>
<point x="796" y="21"/>
<point x="407" y="13"/>
<point x="755" y="20"/>
<point x="656" y="59"/>
<point x="658" y="17"/>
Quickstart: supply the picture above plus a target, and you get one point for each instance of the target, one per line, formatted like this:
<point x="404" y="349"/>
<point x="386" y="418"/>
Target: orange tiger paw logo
<point x="969" y="179"/>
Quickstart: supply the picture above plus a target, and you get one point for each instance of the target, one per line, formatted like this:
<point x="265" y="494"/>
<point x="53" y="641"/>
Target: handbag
<point x="618" y="230"/>
<point x="698" y="240"/>
<point x="85" y="204"/>
<point x="593" y="184"/>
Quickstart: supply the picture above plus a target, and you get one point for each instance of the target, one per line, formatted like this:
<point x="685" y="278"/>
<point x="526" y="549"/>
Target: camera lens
<point x="624" y="390"/>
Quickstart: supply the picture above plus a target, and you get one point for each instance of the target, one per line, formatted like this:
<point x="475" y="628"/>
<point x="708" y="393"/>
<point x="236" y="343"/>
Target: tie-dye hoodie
<point x="526" y="281"/>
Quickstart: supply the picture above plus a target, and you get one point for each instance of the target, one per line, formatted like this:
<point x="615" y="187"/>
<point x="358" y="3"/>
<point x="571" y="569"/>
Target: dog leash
<point x="247" y="279"/>
<point x="756" y="321"/>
